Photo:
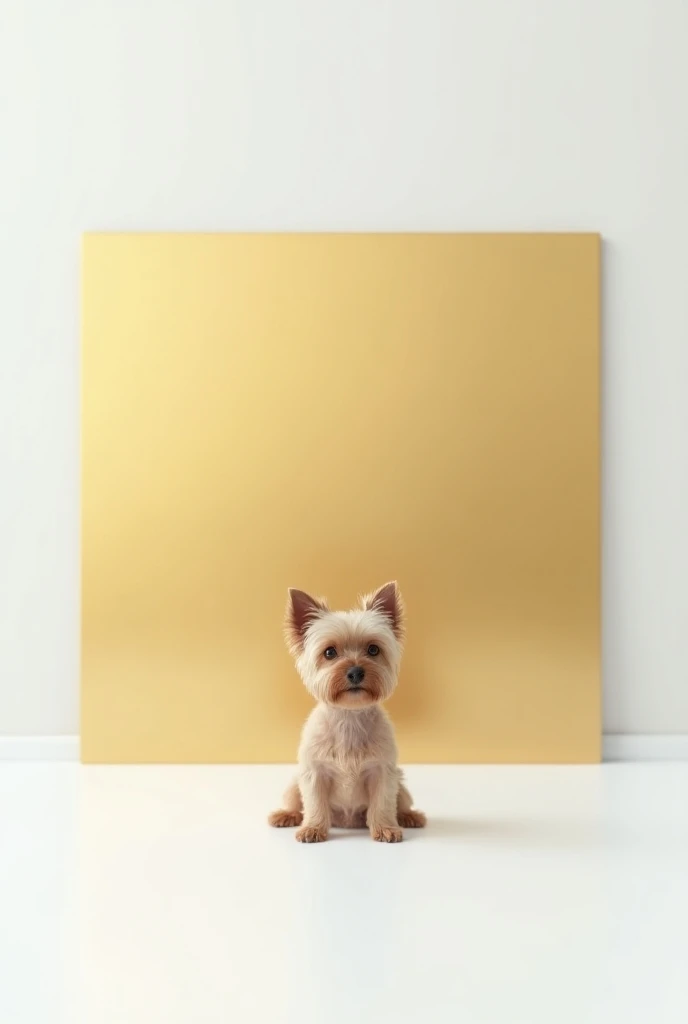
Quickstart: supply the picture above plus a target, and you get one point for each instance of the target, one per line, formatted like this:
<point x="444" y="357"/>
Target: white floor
<point x="160" y="896"/>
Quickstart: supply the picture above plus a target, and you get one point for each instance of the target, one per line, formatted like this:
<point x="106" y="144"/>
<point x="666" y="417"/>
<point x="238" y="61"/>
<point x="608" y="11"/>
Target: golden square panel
<point x="330" y="412"/>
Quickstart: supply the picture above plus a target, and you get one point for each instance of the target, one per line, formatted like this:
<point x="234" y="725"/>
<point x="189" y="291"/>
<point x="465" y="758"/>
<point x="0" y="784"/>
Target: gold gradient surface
<point x="330" y="412"/>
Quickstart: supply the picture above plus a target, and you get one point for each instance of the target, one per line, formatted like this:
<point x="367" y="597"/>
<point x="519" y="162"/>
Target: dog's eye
<point x="373" y="650"/>
<point x="330" y="653"/>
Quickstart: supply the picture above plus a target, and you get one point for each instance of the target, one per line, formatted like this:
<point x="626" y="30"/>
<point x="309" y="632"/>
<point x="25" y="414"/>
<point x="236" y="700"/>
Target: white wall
<point x="346" y="114"/>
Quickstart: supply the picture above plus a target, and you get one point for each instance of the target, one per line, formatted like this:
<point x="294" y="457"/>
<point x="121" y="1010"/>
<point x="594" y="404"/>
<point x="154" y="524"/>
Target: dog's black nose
<point x="355" y="675"/>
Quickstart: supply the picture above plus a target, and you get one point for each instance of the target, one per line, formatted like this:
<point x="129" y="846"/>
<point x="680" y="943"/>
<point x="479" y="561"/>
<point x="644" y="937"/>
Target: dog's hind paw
<point x="285" y="819"/>
<point x="412" y="819"/>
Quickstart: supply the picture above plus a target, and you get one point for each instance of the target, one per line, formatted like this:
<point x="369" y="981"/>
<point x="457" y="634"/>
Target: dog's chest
<point x="350" y="741"/>
<point x="349" y="750"/>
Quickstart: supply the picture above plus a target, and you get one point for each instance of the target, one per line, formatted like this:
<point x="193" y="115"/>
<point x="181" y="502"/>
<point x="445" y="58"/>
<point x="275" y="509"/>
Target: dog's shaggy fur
<point x="348" y="775"/>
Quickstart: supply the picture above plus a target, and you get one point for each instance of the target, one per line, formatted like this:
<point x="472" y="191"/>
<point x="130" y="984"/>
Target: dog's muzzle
<point x="355" y="676"/>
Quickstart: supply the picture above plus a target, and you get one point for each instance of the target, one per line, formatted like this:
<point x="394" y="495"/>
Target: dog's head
<point x="349" y="659"/>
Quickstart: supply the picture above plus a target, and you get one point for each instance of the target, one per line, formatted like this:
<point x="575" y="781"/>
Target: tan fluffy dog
<point x="348" y="774"/>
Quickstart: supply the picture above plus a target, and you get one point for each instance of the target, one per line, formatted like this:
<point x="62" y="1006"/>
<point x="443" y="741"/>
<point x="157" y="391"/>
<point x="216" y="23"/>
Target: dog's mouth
<point x="357" y="694"/>
<point x="357" y="691"/>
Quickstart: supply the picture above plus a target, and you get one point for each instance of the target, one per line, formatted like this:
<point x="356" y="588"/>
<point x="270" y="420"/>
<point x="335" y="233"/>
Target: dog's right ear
<point x="302" y="609"/>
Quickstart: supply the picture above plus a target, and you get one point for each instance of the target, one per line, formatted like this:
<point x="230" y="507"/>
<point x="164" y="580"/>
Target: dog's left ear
<point x="389" y="601"/>
<point x="301" y="610"/>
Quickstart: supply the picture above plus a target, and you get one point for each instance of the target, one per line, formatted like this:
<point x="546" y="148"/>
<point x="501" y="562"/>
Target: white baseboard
<point x="645" y="747"/>
<point x="615" y="747"/>
<point x="39" y="748"/>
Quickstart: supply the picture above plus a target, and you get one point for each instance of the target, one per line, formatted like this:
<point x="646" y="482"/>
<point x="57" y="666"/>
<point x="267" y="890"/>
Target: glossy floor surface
<point x="544" y="895"/>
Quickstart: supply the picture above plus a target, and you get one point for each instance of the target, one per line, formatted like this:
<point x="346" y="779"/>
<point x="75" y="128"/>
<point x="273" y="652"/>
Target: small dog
<point x="348" y="775"/>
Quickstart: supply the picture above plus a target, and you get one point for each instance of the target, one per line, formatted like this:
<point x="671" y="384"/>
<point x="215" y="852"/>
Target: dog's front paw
<point x="412" y="819"/>
<point x="386" y="834"/>
<point x="311" y="834"/>
<point x="285" y="819"/>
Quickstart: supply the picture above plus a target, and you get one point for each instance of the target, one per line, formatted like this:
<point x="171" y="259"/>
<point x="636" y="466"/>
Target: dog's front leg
<point x="382" y="784"/>
<point x="315" y="786"/>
